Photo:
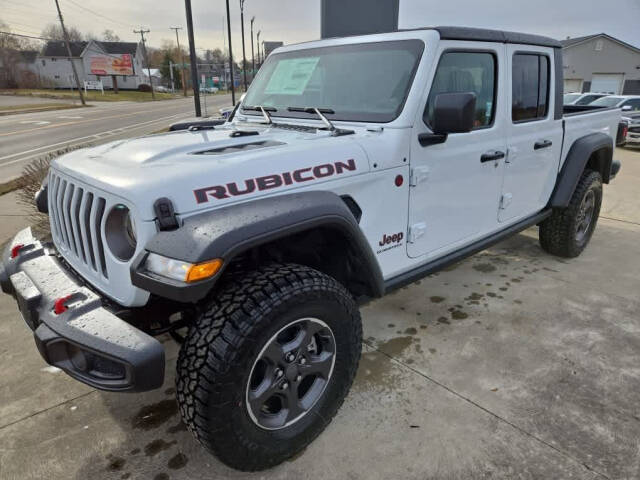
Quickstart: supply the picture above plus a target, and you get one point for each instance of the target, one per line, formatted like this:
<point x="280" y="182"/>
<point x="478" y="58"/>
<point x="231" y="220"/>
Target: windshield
<point x="570" y="97"/>
<point x="607" y="101"/>
<point x="367" y="82"/>
<point x="587" y="99"/>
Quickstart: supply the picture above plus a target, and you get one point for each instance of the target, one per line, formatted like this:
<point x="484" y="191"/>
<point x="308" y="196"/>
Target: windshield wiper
<point x="336" y="132"/>
<point x="264" y="110"/>
<point x="318" y="111"/>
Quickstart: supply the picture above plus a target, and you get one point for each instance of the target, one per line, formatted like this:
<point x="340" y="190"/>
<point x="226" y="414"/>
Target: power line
<point x="128" y="25"/>
<point x="24" y="36"/>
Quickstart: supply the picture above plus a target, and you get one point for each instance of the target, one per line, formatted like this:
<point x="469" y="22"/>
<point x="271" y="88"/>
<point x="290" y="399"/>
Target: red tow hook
<point x="15" y="250"/>
<point x="59" y="305"/>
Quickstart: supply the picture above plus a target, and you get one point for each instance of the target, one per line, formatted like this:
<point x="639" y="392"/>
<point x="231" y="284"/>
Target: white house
<point x="94" y="60"/>
<point x="155" y="75"/>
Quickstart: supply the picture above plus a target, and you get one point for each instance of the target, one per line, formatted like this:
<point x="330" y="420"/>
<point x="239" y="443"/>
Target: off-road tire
<point x="221" y="347"/>
<point x="558" y="233"/>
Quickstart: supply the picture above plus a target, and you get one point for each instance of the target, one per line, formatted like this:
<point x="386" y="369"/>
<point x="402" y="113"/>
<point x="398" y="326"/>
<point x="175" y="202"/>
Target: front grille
<point x="76" y="217"/>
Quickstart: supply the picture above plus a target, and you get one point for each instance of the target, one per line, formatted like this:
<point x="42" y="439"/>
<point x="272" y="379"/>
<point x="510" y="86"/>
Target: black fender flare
<point x="229" y="231"/>
<point x="576" y="162"/>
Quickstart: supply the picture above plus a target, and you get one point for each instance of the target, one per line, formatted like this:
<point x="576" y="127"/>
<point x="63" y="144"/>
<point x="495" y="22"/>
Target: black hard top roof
<point x="486" y="35"/>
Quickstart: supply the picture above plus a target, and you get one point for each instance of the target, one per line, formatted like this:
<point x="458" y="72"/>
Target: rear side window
<point x="634" y="104"/>
<point x="587" y="99"/>
<point x="464" y="72"/>
<point x="530" y="87"/>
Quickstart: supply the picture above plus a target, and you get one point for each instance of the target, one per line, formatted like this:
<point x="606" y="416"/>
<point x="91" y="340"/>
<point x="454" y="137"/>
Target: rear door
<point x="534" y="137"/>
<point x="455" y="185"/>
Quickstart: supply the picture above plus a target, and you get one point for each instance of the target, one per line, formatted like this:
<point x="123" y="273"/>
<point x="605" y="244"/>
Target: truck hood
<point x="204" y="169"/>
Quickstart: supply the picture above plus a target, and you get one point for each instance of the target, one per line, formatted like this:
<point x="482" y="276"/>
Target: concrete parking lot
<point x="511" y="364"/>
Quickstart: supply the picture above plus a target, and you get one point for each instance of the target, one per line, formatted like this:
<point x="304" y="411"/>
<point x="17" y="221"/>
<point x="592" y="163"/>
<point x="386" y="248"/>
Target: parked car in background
<point x="204" y="89"/>
<point x="632" y="137"/>
<point x="628" y="103"/>
<point x="581" y="98"/>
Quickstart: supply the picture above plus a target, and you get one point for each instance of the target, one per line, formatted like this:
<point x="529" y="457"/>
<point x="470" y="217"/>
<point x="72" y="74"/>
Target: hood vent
<point x="240" y="148"/>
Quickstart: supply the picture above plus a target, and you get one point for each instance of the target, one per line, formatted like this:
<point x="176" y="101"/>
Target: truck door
<point x="534" y="137"/>
<point x="455" y="185"/>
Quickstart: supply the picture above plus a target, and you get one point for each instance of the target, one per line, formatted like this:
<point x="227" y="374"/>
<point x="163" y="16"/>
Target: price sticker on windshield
<point x="291" y="76"/>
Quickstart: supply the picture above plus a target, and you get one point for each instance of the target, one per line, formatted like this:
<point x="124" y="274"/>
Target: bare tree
<point x="11" y="50"/>
<point x="110" y="36"/>
<point x="54" y="32"/>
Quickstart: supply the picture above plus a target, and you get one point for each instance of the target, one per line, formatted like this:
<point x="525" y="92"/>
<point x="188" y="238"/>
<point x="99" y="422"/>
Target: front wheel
<point x="268" y="363"/>
<point x="568" y="230"/>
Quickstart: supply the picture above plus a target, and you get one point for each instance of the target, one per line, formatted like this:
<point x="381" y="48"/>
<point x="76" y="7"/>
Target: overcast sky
<point x="299" y="20"/>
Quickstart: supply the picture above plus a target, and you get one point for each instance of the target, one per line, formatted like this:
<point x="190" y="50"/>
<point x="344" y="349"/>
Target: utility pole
<point x="142" y="31"/>
<point x="184" y="83"/>
<point x="73" y="65"/>
<point x="253" y="57"/>
<point x="258" y="45"/>
<point x="173" y="87"/>
<point x="244" y="56"/>
<point x="193" y="59"/>
<point x="233" y="87"/>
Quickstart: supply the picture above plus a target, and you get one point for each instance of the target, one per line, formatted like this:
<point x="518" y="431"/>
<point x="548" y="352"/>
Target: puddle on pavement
<point x="178" y="461"/>
<point x="152" y="416"/>
<point x="157" y="446"/>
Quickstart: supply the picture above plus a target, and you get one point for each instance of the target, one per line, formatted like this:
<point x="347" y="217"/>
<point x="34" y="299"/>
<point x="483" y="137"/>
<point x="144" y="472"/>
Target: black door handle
<point x="542" y="144"/>
<point x="490" y="156"/>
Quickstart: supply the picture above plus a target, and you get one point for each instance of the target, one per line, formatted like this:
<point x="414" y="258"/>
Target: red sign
<point x="112" y="64"/>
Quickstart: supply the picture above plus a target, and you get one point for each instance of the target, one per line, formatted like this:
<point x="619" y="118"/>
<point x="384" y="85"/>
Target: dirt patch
<point x="437" y="299"/>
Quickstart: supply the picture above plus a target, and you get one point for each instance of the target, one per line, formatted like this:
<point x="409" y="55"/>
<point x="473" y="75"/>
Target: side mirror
<point x="453" y="113"/>
<point x="626" y="108"/>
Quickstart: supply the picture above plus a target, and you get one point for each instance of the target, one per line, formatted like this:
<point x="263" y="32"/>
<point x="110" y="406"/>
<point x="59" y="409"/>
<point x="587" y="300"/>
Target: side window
<point x="463" y="72"/>
<point x="634" y="104"/>
<point x="530" y="87"/>
<point x="587" y="99"/>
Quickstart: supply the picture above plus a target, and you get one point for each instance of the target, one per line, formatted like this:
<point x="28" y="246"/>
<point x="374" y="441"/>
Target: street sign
<point x="93" y="85"/>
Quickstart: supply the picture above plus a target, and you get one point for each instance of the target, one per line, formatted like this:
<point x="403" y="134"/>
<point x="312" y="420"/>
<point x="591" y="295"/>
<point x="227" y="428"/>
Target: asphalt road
<point x="24" y="137"/>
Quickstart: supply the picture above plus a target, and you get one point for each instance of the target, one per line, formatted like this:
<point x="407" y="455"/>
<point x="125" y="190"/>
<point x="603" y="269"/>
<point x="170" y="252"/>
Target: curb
<point x="10" y="186"/>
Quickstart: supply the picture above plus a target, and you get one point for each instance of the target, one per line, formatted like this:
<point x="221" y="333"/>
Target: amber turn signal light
<point x="201" y="271"/>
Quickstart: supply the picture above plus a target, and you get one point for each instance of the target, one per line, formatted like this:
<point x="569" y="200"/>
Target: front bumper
<point x="85" y="340"/>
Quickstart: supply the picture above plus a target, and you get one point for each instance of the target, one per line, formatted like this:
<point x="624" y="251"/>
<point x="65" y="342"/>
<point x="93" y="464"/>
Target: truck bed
<point x="582" y="120"/>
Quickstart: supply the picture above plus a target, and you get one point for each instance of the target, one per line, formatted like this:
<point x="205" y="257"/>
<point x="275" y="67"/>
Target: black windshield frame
<point x="414" y="46"/>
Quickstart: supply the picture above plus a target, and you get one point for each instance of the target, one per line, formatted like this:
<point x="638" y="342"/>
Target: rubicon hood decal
<point x="276" y="180"/>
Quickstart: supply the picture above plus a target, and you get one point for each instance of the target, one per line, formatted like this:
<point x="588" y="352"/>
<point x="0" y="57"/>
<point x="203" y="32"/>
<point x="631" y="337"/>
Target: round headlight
<point x="120" y="232"/>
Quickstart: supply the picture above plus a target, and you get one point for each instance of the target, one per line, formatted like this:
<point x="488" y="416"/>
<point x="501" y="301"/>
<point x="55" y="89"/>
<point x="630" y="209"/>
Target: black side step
<point x="454" y="257"/>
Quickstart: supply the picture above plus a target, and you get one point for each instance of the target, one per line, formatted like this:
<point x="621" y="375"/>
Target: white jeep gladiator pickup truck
<point x="353" y="166"/>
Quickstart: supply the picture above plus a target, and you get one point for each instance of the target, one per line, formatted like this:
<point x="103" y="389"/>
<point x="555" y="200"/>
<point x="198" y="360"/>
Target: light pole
<point x="233" y="88"/>
<point x="244" y="56"/>
<point x="258" y="45"/>
<point x="193" y="59"/>
<point x="253" y="57"/>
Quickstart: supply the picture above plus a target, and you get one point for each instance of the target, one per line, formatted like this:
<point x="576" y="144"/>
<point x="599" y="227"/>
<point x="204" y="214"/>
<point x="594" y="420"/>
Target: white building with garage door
<point x="601" y="63"/>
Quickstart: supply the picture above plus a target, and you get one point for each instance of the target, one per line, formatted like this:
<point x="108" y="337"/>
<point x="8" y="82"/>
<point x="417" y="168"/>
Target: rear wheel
<point x="568" y="230"/>
<point x="268" y="363"/>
